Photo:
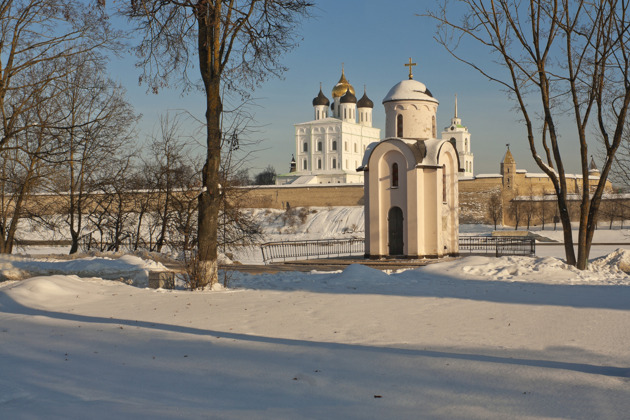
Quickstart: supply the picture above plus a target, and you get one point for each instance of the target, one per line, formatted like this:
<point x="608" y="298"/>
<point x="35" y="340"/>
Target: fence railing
<point x="497" y="245"/>
<point x="321" y="248"/>
<point x="327" y="248"/>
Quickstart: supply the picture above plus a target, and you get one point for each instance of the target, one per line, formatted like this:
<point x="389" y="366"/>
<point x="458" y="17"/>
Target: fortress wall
<point x="277" y="197"/>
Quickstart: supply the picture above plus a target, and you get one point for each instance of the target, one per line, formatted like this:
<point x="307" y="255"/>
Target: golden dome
<point x="342" y="86"/>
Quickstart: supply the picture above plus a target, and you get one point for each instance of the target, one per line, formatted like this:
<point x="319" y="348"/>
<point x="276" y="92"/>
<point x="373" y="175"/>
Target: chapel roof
<point x="409" y="90"/>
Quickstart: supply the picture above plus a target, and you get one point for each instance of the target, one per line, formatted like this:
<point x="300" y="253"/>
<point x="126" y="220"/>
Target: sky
<point x="373" y="40"/>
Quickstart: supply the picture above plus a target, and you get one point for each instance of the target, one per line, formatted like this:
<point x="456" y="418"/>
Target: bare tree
<point x="96" y="123"/>
<point x="39" y="34"/>
<point x="557" y="58"/>
<point x="238" y="44"/>
<point x="530" y="206"/>
<point x="35" y="38"/>
<point x="516" y="211"/>
<point x="266" y="177"/>
<point x="495" y="208"/>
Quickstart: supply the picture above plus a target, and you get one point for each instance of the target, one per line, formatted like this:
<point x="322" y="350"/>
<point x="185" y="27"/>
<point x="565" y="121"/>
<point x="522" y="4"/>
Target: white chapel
<point x="411" y="180"/>
<point x="330" y="148"/>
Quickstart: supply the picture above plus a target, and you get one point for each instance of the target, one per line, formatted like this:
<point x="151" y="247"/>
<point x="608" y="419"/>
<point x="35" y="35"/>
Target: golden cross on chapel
<point x="410" y="65"/>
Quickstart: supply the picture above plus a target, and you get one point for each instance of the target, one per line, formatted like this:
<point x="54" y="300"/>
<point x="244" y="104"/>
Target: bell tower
<point x="459" y="136"/>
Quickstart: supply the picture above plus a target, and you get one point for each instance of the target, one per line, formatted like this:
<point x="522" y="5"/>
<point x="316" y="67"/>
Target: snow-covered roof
<point x="326" y="120"/>
<point x="489" y="176"/>
<point x="409" y="90"/>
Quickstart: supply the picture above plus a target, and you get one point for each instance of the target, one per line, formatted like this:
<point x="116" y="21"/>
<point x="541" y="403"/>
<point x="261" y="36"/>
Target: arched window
<point x="304" y="165"/>
<point x="444" y="183"/>
<point x="434" y="127"/>
<point x="305" y="148"/>
<point x="334" y="145"/>
<point x="399" y="125"/>
<point x="345" y="146"/>
<point x="319" y="164"/>
<point x="345" y="113"/>
<point x="334" y="163"/>
<point x="395" y="175"/>
<point x="355" y="147"/>
<point x="319" y="146"/>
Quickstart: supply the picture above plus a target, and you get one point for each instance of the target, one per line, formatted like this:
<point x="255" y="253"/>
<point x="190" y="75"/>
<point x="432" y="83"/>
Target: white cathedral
<point x="330" y="148"/>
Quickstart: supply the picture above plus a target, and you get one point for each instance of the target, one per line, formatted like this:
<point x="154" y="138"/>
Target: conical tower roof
<point x="508" y="158"/>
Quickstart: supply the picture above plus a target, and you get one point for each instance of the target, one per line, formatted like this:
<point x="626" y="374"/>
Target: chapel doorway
<point x="395" y="222"/>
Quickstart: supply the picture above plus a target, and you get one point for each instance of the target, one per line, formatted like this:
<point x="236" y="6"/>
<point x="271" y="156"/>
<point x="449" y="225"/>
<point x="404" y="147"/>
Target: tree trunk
<point x="210" y="199"/>
<point x="74" y="236"/>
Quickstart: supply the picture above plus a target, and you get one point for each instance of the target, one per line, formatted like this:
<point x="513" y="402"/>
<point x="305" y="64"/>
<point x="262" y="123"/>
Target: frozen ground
<point x="475" y="338"/>
<point x="478" y="338"/>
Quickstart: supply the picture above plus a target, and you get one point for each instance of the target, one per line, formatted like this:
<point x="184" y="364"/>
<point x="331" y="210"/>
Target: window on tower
<point x="334" y="163"/>
<point x="305" y="148"/>
<point x="395" y="175"/>
<point x="304" y="165"/>
<point x="399" y="125"/>
<point x="319" y="164"/>
<point x="334" y="145"/>
<point x="319" y="146"/>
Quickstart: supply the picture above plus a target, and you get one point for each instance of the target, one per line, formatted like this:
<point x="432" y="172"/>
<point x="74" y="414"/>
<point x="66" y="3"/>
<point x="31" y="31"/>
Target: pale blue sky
<point x="374" y="39"/>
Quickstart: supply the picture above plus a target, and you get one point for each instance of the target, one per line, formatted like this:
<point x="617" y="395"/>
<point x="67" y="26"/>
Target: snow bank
<point x="128" y="268"/>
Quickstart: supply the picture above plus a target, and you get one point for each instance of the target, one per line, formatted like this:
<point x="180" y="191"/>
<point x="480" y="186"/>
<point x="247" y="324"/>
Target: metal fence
<point x="327" y="248"/>
<point x="322" y="248"/>
<point x="497" y="245"/>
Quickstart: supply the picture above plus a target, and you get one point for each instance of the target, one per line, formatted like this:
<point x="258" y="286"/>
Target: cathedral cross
<point x="410" y="65"/>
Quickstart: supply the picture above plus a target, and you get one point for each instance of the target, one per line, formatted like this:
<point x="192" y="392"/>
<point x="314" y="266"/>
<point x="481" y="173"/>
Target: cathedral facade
<point x="329" y="148"/>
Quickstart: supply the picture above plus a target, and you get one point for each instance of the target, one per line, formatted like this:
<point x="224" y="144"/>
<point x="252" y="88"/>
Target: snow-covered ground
<point x="474" y="338"/>
<point x="477" y="338"/>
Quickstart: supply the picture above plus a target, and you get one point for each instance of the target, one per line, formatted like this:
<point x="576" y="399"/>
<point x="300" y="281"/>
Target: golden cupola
<point x="342" y="86"/>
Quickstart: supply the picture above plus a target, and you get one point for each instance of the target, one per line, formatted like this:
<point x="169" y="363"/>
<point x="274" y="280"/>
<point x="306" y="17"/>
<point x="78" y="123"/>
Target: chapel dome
<point x="321" y="99"/>
<point x="365" y="102"/>
<point x="342" y="87"/>
<point x="409" y="90"/>
<point x="348" y="98"/>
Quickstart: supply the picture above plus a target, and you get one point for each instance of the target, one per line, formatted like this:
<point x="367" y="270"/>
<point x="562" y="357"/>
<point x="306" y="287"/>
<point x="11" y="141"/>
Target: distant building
<point x="459" y="136"/>
<point x="329" y="148"/>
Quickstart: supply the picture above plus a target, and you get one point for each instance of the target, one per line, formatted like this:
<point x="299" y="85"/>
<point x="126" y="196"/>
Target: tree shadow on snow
<point x="358" y="279"/>
<point x="10" y="306"/>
